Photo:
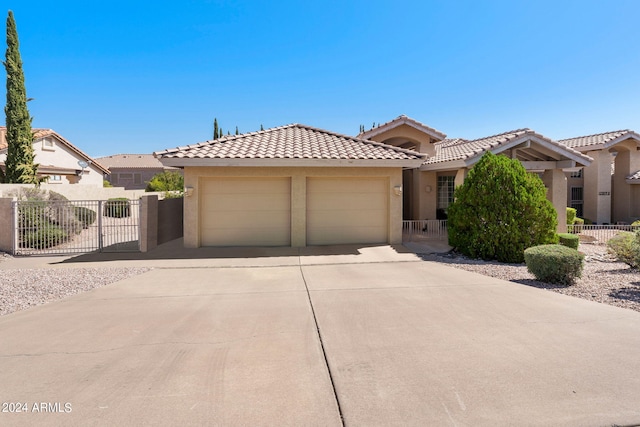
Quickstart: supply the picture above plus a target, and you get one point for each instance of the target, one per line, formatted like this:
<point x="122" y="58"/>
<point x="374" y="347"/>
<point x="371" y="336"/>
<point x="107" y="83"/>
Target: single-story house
<point x="293" y="185"/>
<point x="132" y="171"/>
<point x="59" y="159"/>
<point x="428" y="189"/>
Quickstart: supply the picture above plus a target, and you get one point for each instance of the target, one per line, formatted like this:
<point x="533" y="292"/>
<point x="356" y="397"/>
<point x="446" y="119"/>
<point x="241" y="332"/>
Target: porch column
<point x="627" y="163"/>
<point x="556" y="183"/>
<point x="425" y="192"/>
<point x="597" y="188"/>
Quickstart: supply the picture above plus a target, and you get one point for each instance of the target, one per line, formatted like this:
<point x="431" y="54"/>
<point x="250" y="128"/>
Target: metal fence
<point x="599" y="234"/>
<point x="67" y="227"/>
<point x="429" y="229"/>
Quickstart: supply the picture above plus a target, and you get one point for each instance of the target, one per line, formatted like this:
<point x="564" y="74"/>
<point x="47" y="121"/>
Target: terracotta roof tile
<point x="134" y="161"/>
<point x="597" y="139"/>
<point x="293" y="141"/>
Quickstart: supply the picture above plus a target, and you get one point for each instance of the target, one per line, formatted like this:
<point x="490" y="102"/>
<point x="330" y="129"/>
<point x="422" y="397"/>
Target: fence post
<point x="7" y="225"/>
<point x="148" y="222"/>
<point x="100" y="242"/>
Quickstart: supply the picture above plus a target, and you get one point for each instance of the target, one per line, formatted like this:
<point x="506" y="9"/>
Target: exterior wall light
<point x="188" y="191"/>
<point x="397" y="190"/>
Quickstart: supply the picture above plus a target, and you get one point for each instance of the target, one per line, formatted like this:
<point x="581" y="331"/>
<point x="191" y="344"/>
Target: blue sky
<point x="136" y="76"/>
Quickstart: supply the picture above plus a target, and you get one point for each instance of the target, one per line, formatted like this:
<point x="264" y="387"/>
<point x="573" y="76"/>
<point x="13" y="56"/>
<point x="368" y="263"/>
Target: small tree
<point x="20" y="165"/>
<point x="215" y="128"/>
<point x="500" y="211"/>
<point x="166" y="181"/>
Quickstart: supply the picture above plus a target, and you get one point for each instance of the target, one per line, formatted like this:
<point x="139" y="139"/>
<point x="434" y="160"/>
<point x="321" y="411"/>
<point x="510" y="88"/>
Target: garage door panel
<point x="347" y="201"/>
<point x="347" y="210"/>
<point x="245" y="212"/>
<point x="247" y="202"/>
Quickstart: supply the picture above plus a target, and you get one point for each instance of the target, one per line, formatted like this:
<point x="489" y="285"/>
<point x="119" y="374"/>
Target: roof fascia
<point x="399" y="122"/>
<point x="623" y="137"/>
<point x="182" y="162"/>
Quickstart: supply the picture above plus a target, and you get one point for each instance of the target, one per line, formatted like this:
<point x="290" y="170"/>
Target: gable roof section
<point x="464" y="153"/>
<point x="290" y="145"/>
<point x="131" y="161"/>
<point x="600" y="140"/>
<point x="399" y="121"/>
<point x="40" y="133"/>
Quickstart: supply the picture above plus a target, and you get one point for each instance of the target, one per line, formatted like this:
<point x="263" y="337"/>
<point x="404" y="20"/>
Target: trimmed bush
<point x="85" y="215"/>
<point x="500" y="210"/>
<point x="569" y="240"/>
<point x="626" y="247"/>
<point x="571" y="215"/>
<point x="117" y="208"/>
<point x="44" y="237"/>
<point x="554" y="263"/>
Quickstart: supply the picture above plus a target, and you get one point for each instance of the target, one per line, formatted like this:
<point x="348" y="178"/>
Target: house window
<point x="48" y="144"/>
<point x="137" y="178"/>
<point x="55" y="179"/>
<point x="577" y="200"/>
<point x="446" y="185"/>
<point x="577" y="174"/>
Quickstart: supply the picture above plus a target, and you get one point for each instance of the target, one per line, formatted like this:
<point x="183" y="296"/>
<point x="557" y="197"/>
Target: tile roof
<point x="461" y="149"/>
<point x="634" y="176"/>
<point x="133" y="161"/>
<point x="39" y="133"/>
<point x="400" y="120"/>
<point x="597" y="139"/>
<point x="294" y="141"/>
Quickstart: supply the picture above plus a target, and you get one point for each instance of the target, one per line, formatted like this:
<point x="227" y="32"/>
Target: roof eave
<point x="446" y="165"/>
<point x="198" y="162"/>
<point x="399" y="122"/>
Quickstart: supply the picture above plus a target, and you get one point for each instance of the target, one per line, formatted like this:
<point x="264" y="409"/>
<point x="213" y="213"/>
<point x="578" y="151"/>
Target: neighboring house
<point x="133" y="171"/>
<point x="608" y="191"/>
<point x="293" y="185"/>
<point x="59" y="160"/>
<point x="428" y="190"/>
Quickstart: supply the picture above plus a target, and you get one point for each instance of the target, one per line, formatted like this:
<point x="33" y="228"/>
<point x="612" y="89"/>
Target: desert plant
<point x="554" y="263"/>
<point x="500" y="210"/>
<point x="106" y="184"/>
<point x="569" y="240"/>
<point x="44" y="237"/>
<point x="626" y="247"/>
<point x="85" y="215"/>
<point x="117" y="208"/>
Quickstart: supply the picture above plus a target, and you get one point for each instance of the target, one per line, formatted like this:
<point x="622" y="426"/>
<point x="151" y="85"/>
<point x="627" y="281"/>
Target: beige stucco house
<point x="428" y="190"/>
<point x="59" y="159"/>
<point x="293" y="185"/>
<point x="132" y="171"/>
<point x="608" y="190"/>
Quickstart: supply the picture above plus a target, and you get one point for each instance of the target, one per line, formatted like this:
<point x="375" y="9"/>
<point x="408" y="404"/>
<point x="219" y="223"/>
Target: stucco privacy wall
<point x="298" y="177"/>
<point x="6" y="225"/>
<point x="79" y="192"/>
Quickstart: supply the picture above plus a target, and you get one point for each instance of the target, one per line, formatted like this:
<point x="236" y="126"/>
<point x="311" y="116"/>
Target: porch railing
<point x="428" y="229"/>
<point x="599" y="234"/>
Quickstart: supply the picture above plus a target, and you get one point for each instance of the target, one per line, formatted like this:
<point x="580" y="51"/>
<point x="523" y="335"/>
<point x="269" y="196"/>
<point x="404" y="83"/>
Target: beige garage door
<point x="347" y="210"/>
<point x="245" y="212"/>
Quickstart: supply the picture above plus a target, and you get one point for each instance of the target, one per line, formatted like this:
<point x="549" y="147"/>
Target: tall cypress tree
<point x="215" y="129"/>
<point x="20" y="166"/>
<point x="237" y="133"/>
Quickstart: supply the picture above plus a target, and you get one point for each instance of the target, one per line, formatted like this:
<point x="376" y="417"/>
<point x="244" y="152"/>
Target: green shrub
<point x="500" y="210"/>
<point x="85" y="215"/>
<point x="106" y="184"/>
<point x="636" y="224"/>
<point x="569" y="240"/>
<point x="626" y="247"/>
<point x="571" y="215"/>
<point x="554" y="263"/>
<point x="44" y="237"/>
<point x="166" y="181"/>
<point x="117" y="208"/>
<point x="587" y="221"/>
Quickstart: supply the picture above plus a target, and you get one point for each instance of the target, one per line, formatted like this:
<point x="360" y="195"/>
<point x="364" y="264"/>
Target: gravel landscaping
<point x="603" y="279"/>
<point x="21" y="289"/>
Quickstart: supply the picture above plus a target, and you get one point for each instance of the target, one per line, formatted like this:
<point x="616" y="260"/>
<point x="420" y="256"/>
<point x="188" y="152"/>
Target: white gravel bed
<point x="21" y="288"/>
<point x="603" y="278"/>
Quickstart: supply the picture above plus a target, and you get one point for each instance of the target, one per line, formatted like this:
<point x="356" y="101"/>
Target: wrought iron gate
<point x="76" y="226"/>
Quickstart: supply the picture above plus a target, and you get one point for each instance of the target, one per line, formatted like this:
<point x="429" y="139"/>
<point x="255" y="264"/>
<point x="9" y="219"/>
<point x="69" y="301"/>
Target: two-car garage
<point x="257" y="211"/>
<point x="293" y="185"/>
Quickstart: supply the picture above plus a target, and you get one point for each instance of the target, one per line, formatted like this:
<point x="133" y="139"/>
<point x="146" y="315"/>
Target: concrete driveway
<point x="321" y="336"/>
